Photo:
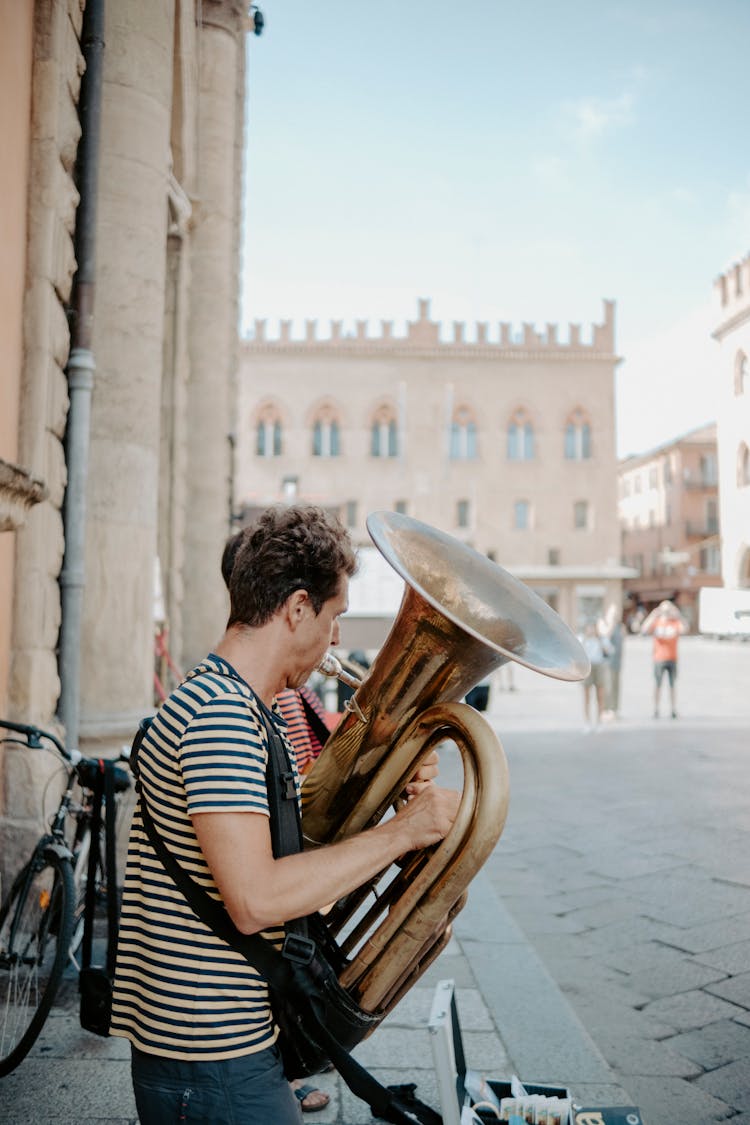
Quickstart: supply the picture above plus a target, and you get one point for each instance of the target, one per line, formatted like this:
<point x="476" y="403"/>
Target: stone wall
<point x="164" y="347"/>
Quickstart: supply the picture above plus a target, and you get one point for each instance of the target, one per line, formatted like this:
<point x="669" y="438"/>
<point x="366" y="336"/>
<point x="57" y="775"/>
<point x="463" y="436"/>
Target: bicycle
<point x="43" y="915"/>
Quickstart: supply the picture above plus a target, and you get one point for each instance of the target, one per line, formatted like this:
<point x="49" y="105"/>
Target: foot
<point x="309" y="1097"/>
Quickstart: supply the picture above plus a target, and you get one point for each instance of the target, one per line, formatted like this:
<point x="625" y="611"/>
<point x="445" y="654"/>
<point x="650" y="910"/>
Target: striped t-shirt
<point x="180" y="991"/>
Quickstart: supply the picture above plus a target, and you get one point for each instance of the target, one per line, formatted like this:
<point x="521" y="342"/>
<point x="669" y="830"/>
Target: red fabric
<point x="304" y="742"/>
<point x="666" y="633"/>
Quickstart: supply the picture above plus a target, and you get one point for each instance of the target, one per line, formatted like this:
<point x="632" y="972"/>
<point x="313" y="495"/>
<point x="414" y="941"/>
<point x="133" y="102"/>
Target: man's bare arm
<point x="260" y="892"/>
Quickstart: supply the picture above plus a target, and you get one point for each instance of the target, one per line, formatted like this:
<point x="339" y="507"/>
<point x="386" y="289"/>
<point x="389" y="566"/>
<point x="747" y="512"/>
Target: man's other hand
<point x="427" y="818"/>
<point x="425" y="775"/>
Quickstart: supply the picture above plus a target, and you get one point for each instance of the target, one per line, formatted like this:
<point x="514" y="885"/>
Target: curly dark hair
<point x="229" y="554"/>
<point x="297" y="548"/>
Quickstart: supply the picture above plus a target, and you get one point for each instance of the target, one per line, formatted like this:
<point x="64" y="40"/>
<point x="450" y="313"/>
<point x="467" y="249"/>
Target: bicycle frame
<point x="33" y="916"/>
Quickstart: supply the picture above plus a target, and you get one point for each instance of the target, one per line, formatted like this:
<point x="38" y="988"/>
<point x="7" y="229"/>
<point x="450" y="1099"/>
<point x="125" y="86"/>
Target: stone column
<point x="117" y="644"/>
<point x="213" y="337"/>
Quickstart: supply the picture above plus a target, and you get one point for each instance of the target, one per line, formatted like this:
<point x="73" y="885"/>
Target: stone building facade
<point x="669" y="511"/>
<point x="732" y="304"/>
<point x="163" y="350"/>
<point x="504" y="439"/>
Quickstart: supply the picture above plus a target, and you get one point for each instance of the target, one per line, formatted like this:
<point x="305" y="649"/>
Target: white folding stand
<point x="447" y="1052"/>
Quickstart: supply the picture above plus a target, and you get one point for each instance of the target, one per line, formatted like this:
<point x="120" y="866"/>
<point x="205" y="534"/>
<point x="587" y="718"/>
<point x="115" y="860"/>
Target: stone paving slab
<point x="674" y="1101"/>
<point x="699" y="939"/>
<point x="729" y="958"/>
<point x="82" y="1089"/>
<point x="730" y="1083"/>
<point x="692" y="1009"/>
<point x="735" y="989"/>
<point x="714" y="1045"/>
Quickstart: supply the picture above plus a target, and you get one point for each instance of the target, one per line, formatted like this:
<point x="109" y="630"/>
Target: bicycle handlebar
<point x="34" y="736"/>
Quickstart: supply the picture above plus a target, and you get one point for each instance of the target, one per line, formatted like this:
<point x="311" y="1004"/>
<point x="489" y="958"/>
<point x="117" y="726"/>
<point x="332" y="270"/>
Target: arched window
<point x="326" y="433"/>
<point x="520" y="437"/>
<point x="577" y="437"/>
<point x="743" y="465"/>
<point x="384" y="433"/>
<point x="268" y="433"/>
<point x="463" y="438"/>
<point x="741" y="374"/>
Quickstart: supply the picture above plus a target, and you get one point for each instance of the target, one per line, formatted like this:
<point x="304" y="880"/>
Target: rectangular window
<point x="581" y="515"/>
<point x="402" y="507"/>
<point x="709" y="474"/>
<point x="553" y="556"/>
<point x="710" y="560"/>
<point x="521" y="515"/>
<point x="462" y="513"/>
<point x="653" y="478"/>
<point x="712" y="516"/>
<point x="351" y="513"/>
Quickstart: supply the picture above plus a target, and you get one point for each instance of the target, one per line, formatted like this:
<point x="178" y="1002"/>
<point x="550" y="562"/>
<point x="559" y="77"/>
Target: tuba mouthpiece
<point x="330" y="666"/>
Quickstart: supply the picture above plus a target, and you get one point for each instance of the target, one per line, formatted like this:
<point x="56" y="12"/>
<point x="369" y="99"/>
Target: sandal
<point x="306" y="1092"/>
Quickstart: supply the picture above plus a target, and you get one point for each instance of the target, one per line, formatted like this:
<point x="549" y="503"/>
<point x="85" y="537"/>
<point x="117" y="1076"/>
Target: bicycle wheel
<point x="80" y="849"/>
<point x="36" y="923"/>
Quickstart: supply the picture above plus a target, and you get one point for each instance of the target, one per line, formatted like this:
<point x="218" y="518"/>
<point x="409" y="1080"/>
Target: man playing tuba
<point x="196" y="1013"/>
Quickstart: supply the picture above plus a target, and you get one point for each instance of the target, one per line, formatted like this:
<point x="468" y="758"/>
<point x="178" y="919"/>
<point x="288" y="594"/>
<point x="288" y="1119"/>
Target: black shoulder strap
<point x="286" y="826"/>
<point x="264" y="956"/>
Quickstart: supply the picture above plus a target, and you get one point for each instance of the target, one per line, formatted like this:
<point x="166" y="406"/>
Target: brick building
<point x="669" y="511"/>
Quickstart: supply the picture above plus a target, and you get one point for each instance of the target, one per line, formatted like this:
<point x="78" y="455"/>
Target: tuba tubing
<point x="461" y="617"/>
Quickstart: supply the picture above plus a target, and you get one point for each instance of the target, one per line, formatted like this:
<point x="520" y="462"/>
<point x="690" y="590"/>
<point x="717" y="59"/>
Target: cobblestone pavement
<point x="626" y="863"/>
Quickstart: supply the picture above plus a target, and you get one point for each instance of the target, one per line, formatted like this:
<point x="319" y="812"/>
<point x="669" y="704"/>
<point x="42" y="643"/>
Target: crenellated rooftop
<point x="732" y="292"/>
<point x="427" y="334"/>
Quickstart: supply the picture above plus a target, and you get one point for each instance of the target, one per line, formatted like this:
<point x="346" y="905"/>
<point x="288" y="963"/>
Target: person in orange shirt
<point x="666" y="624"/>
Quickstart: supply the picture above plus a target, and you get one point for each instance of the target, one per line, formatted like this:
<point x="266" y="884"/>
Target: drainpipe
<point x="80" y="374"/>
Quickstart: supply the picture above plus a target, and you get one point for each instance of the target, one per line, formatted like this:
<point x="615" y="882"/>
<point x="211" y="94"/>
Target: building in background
<point x="669" y="513"/>
<point x="732" y="293"/>
<point x="505" y="440"/>
<point x="128" y="393"/>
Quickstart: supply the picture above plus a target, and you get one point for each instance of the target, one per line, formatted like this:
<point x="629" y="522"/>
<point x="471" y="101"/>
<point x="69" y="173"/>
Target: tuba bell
<point x="461" y="617"/>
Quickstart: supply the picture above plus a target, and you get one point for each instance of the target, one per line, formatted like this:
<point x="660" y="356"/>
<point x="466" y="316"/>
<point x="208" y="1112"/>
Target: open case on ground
<point x="467" y="1096"/>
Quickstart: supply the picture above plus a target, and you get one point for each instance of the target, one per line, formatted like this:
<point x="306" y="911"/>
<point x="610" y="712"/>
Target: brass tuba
<point x="461" y="617"/>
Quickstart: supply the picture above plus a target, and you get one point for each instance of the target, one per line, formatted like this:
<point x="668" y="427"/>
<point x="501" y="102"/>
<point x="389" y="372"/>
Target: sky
<point x="510" y="161"/>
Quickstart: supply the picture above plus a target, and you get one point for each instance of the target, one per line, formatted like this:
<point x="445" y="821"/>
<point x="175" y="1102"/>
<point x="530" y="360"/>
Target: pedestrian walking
<point x="596" y="647"/>
<point x="616" y="631"/>
<point x="666" y="624"/>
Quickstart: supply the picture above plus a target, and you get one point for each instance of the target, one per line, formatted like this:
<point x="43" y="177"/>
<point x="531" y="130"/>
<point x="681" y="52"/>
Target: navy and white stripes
<point x="180" y="991"/>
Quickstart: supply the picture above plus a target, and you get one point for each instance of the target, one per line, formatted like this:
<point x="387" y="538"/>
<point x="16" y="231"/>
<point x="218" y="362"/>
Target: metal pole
<point x="80" y="373"/>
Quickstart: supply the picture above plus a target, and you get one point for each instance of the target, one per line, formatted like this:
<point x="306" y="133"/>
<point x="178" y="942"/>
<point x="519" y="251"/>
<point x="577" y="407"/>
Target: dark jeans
<point x="251" y="1090"/>
<point x="668" y="666"/>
